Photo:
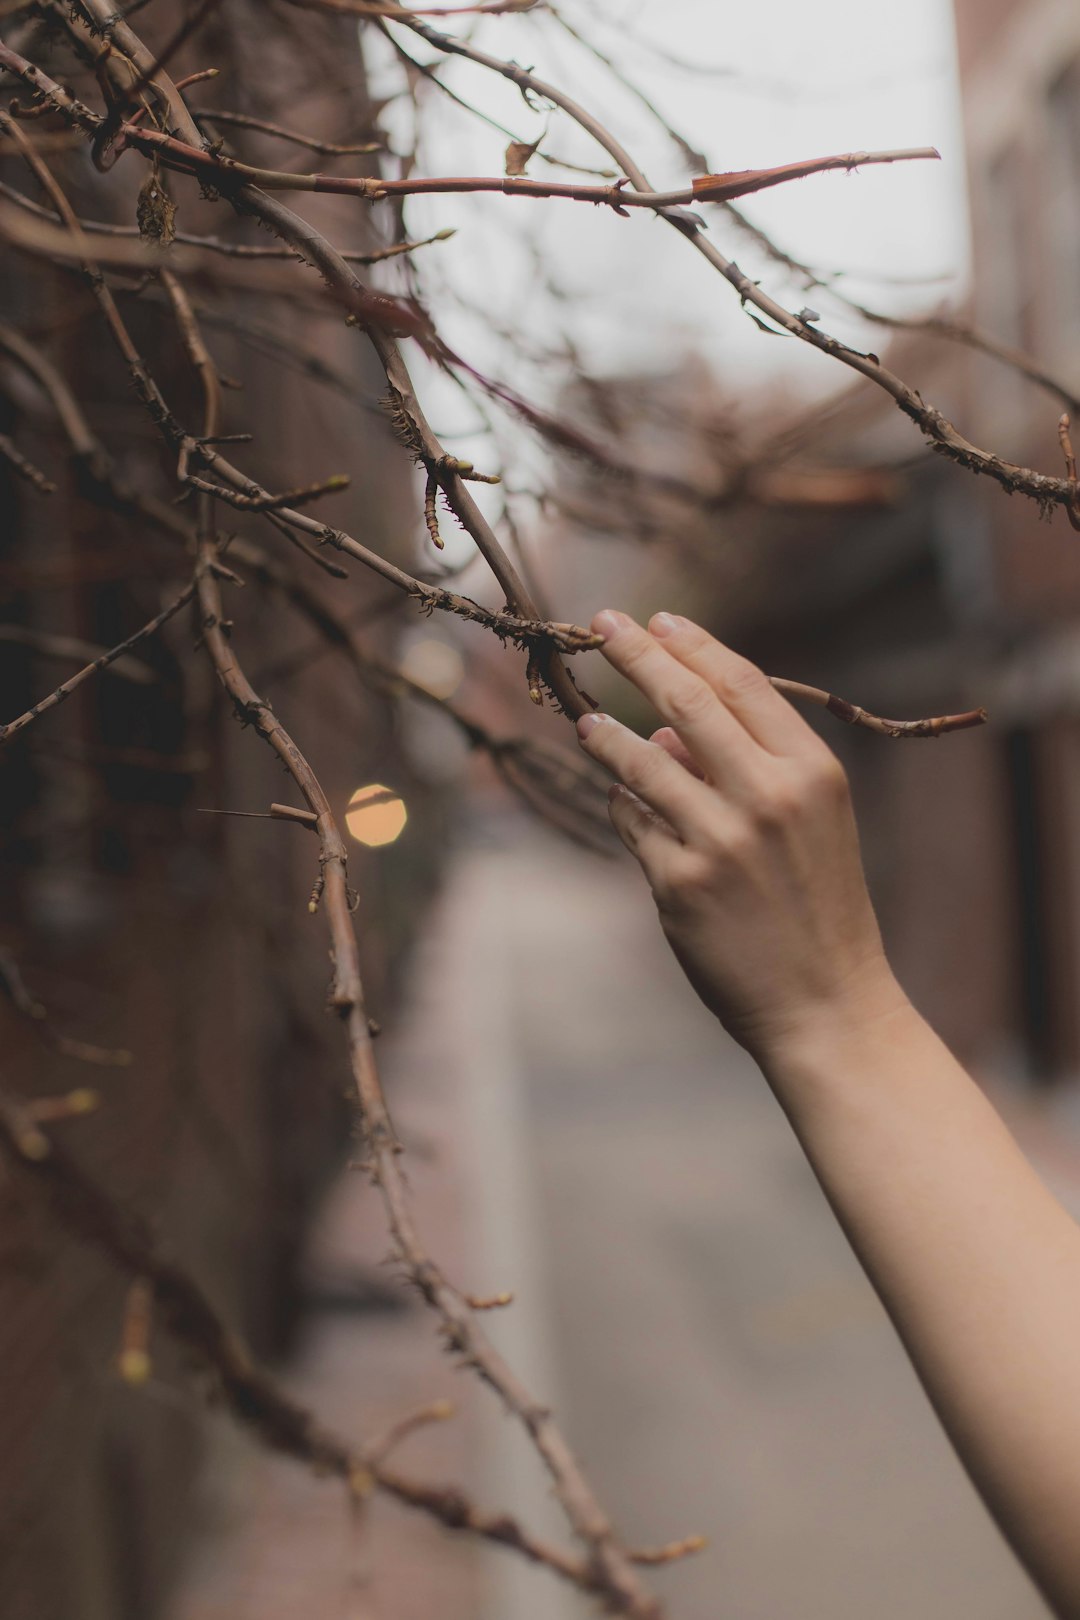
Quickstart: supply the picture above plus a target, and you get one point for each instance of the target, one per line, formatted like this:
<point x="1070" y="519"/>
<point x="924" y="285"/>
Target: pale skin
<point x="740" y="817"/>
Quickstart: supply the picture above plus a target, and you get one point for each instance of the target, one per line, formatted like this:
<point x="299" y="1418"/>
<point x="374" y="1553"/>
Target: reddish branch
<point x="219" y="170"/>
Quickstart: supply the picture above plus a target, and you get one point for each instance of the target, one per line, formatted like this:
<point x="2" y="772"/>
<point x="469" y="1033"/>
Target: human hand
<point x="741" y="819"/>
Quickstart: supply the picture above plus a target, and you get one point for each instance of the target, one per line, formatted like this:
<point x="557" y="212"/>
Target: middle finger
<point x="723" y="748"/>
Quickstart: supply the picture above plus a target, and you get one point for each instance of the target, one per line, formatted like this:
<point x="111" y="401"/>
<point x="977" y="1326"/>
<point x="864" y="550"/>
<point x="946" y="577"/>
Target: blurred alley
<point x="683" y="1296"/>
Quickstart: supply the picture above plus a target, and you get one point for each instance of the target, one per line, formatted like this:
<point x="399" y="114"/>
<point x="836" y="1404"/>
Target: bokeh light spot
<point x="434" y="665"/>
<point x="376" y="815"/>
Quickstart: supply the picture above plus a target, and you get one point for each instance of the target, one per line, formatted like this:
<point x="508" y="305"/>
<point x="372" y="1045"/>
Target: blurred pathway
<point x="683" y="1295"/>
<point x="721" y="1364"/>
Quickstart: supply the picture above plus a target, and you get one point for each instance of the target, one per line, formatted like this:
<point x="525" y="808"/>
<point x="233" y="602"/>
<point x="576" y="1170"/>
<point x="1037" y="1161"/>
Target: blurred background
<point x="578" y="1131"/>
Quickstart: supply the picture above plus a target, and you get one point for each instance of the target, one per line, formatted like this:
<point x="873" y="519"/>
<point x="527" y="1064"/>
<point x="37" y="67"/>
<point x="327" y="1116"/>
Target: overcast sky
<point x="759" y="88"/>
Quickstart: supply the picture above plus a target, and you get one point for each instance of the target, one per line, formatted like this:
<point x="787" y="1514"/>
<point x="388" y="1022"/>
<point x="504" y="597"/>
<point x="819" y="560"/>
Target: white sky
<point x="853" y="76"/>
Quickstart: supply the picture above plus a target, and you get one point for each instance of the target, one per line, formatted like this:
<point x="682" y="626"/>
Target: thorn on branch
<point x="277" y="812"/>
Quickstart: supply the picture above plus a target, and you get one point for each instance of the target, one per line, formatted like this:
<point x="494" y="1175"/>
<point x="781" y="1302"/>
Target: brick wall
<point x="144" y="924"/>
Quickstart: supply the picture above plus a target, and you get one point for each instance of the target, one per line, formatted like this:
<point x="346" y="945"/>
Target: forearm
<point x="975" y="1261"/>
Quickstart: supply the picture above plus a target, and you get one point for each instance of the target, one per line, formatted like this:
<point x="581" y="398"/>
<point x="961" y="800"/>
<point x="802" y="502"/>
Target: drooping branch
<point x="609" y="1563"/>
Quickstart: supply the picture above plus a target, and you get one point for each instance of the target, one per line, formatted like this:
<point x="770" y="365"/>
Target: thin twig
<point x="853" y="715"/>
<point x="61" y="693"/>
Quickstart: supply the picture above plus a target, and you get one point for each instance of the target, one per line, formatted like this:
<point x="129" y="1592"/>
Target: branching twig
<point x="609" y="1563"/>
<point x="943" y="436"/>
<point x="251" y="1395"/>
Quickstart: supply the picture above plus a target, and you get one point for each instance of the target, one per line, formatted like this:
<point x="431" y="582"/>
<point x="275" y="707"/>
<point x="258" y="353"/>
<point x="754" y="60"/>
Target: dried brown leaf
<point x="518" y="154"/>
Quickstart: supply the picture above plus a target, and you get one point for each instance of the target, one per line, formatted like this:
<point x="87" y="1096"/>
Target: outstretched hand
<point x="741" y="820"/>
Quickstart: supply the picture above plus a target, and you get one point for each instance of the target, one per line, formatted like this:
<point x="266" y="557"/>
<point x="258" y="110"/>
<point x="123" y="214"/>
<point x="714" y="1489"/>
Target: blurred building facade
<point x="139" y="922"/>
<point x="959" y="596"/>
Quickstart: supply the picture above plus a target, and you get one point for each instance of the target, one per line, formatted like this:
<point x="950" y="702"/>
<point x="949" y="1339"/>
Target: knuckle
<point x="689" y="703"/>
<point x="739" y="678"/>
<point x="738" y="849"/>
<point x="646" y="767"/>
<point x="827" y="778"/>
<point x="819" y="780"/>
<point x="781" y="803"/>
<point x="685" y="877"/>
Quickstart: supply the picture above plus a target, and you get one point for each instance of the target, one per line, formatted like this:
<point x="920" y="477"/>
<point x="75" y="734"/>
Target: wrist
<point x="832" y="1034"/>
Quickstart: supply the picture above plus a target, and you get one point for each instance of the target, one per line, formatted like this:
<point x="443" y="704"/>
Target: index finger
<point x="740" y="685"/>
<point x="682" y="698"/>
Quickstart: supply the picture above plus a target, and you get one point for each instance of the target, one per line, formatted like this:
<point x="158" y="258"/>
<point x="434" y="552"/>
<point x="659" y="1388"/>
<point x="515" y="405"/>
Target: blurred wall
<point x="140" y="922"/>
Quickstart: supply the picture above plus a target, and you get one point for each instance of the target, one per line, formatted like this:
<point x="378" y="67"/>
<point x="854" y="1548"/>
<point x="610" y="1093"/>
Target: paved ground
<point x="683" y="1296"/>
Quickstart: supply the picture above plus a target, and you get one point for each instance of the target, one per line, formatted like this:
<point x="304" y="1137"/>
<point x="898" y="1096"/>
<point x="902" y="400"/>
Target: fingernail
<point x="588" y="723"/>
<point x="666" y="624"/>
<point x="609" y="623"/>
